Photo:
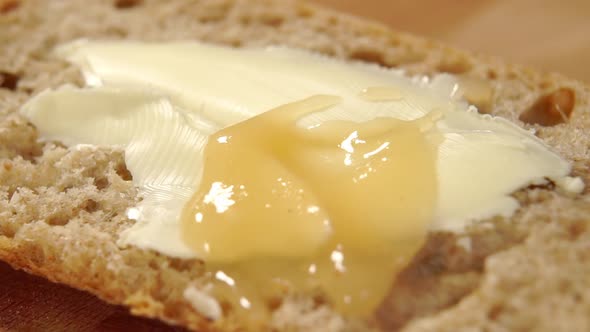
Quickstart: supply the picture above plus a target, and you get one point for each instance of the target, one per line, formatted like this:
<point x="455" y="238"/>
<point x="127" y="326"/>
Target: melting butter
<point x="205" y="88"/>
<point x="342" y="206"/>
<point x="166" y="103"/>
<point x="216" y="87"/>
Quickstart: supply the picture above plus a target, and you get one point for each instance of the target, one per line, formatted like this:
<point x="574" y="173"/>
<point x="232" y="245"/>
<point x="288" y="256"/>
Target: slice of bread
<point x="61" y="209"/>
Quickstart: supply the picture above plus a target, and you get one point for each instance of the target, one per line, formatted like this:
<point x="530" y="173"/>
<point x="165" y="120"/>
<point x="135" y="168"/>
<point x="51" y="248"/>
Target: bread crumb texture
<point x="61" y="209"/>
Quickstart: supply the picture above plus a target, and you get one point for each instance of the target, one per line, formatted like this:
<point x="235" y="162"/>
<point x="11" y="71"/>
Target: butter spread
<point x="340" y="168"/>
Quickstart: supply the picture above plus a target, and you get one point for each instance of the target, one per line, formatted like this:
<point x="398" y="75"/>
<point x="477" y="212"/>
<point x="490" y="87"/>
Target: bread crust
<point x="62" y="209"/>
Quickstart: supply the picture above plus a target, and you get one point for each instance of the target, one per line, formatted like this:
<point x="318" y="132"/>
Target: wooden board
<point x="552" y="35"/>
<point x="31" y="304"/>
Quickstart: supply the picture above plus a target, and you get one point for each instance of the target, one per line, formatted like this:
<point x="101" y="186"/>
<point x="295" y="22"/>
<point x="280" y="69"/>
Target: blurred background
<point x="551" y="35"/>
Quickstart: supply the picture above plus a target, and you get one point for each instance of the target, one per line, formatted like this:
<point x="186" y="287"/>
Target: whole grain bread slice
<point x="61" y="209"/>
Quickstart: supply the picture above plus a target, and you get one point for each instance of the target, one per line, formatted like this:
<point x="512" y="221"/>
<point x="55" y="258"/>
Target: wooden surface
<point x="31" y="304"/>
<point x="552" y="35"/>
